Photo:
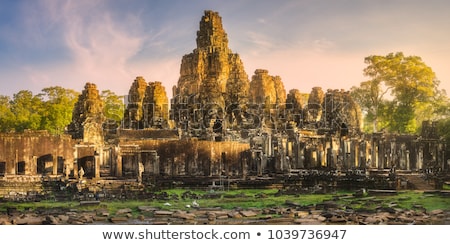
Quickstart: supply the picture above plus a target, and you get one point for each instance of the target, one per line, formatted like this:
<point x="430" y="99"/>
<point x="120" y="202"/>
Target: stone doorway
<point x="88" y="165"/>
<point x="45" y="164"/>
<point x="130" y="165"/>
<point x="21" y="168"/>
<point x="2" y="169"/>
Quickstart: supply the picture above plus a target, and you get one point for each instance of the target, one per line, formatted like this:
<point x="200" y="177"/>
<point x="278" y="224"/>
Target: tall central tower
<point x="212" y="84"/>
<point x="211" y="33"/>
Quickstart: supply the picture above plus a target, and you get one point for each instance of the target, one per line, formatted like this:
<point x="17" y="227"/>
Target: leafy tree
<point x="26" y="108"/>
<point x="57" y="108"/>
<point x="6" y="116"/>
<point x="412" y="84"/>
<point x="438" y="109"/>
<point x="113" y="108"/>
<point x="50" y="110"/>
<point x="369" y="96"/>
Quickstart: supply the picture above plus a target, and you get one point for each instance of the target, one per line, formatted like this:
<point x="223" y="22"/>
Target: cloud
<point x="108" y="47"/>
<point x="97" y="42"/>
<point x="74" y="42"/>
<point x="111" y="42"/>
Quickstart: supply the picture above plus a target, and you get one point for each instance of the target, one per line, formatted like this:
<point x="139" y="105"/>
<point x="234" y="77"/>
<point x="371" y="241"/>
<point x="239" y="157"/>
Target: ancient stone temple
<point x="156" y="106"/>
<point x="134" y="112"/>
<point x="147" y="107"/>
<point x="339" y="111"/>
<point x="218" y="125"/>
<point x="268" y="92"/>
<point x="295" y="101"/>
<point x="313" y="110"/>
<point x="213" y="84"/>
<point x="87" y="116"/>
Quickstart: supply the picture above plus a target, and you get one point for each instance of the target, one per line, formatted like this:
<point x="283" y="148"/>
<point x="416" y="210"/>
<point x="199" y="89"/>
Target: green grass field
<point x="246" y="199"/>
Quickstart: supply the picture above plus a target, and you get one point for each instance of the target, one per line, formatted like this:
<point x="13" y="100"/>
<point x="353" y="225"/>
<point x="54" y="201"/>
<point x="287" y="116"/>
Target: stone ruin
<point x="87" y="116"/>
<point x="222" y="125"/>
<point x="147" y="106"/>
<point x="213" y="85"/>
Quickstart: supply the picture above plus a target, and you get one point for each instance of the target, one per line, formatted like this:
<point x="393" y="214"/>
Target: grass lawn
<point x="246" y="199"/>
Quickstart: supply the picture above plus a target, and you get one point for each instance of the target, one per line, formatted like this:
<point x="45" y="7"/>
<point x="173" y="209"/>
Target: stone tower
<point x="156" y="106"/>
<point x="133" y="114"/>
<point x="268" y="92"/>
<point x="87" y="116"/>
<point x="267" y="89"/>
<point x="148" y="105"/>
<point x="212" y="82"/>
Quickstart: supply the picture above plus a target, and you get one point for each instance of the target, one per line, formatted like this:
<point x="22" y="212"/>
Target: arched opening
<point x="45" y="164"/>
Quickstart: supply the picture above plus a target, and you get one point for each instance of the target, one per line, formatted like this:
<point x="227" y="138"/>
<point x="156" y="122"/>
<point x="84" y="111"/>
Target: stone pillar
<point x="101" y="156"/>
<point x="28" y="163"/>
<point x="75" y="162"/>
<point x="33" y="169"/>
<point x="419" y="164"/>
<point x="375" y="155"/>
<point x="408" y="163"/>
<point x="289" y="148"/>
<point x="322" y="157"/>
<point x="139" y="161"/>
<point x="55" y="163"/>
<point x="301" y="157"/>
<point x="97" y="158"/>
<point x="262" y="163"/>
<point x="156" y="165"/>
<point x="119" y="164"/>
<point x="16" y="161"/>
<point x="313" y="158"/>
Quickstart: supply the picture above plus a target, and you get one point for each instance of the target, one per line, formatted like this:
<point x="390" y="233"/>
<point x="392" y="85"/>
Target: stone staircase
<point x="418" y="182"/>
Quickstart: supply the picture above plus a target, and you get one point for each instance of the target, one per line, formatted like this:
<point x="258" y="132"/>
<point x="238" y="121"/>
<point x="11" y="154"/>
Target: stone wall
<point x="194" y="157"/>
<point x="32" y="153"/>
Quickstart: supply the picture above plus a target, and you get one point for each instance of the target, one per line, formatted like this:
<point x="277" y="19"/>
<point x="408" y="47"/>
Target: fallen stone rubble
<point x="212" y="216"/>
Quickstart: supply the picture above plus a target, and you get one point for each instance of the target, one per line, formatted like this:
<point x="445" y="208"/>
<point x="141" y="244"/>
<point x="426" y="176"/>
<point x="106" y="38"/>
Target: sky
<point x="307" y="43"/>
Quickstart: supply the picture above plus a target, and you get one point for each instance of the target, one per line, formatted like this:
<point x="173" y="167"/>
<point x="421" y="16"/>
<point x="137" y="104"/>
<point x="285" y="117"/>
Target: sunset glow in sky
<point x="307" y="43"/>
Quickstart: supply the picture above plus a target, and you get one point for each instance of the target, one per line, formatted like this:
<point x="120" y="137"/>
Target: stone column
<point x="33" y="169"/>
<point x="139" y="161"/>
<point x="28" y="163"/>
<point x="156" y="165"/>
<point x="16" y="161"/>
<point x="375" y="155"/>
<point x="119" y="164"/>
<point x="97" y="158"/>
<point x="419" y="164"/>
<point x="313" y="155"/>
<point x="101" y="156"/>
<point x="301" y="156"/>
<point x="408" y="163"/>
<point x="75" y="162"/>
<point x="55" y="162"/>
<point x="322" y="157"/>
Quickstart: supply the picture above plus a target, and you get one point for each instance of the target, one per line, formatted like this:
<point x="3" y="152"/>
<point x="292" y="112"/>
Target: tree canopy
<point x="113" y="108"/>
<point x="414" y="93"/>
<point x="50" y="110"/>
